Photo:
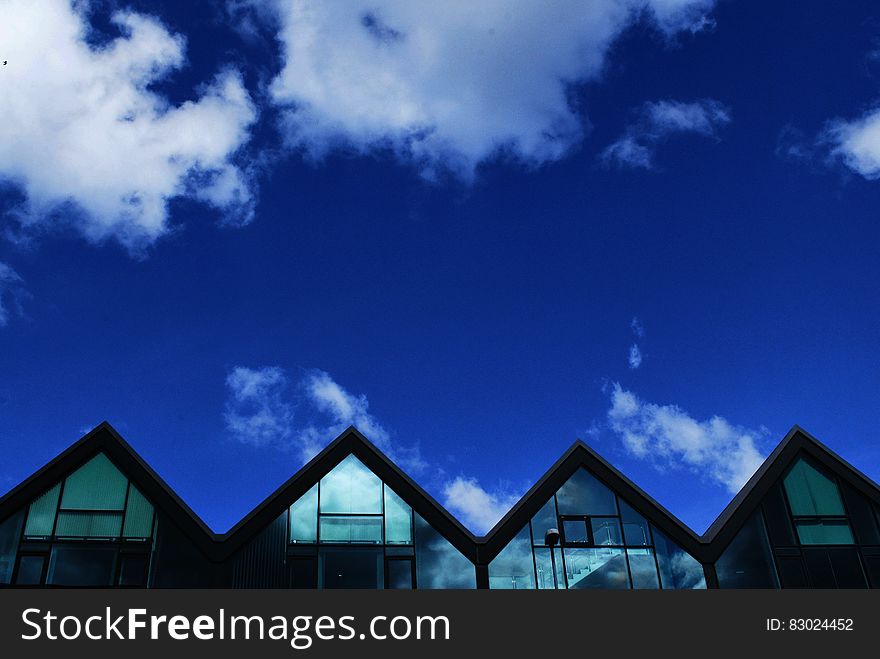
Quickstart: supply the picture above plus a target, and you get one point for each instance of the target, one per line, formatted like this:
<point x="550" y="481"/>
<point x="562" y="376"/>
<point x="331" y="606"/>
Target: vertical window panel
<point x="30" y="570"/>
<point x="635" y="527"/>
<point x="399" y="574"/>
<point x="748" y="560"/>
<point x="513" y="568"/>
<point x="544" y="562"/>
<point x="138" y="515"/>
<point x="543" y="521"/>
<point x="41" y="514"/>
<point x="304" y="518"/>
<point x="398" y="520"/>
<point x="810" y="492"/>
<point x="643" y="569"/>
<point x="438" y="563"/>
<point x="678" y="569"/>
<point x="10" y="531"/>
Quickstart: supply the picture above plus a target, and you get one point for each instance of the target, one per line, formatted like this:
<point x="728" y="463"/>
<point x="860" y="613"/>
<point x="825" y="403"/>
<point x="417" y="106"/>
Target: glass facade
<point x="604" y="543"/>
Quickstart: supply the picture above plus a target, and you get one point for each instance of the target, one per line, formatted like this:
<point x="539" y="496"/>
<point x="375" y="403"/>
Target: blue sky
<point x="477" y="233"/>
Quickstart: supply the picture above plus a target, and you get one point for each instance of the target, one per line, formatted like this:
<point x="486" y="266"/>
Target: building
<point x="97" y="515"/>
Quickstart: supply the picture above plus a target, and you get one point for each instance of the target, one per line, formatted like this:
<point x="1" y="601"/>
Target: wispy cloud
<point x="635" y="356"/>
<point x="658" y="121"/>
<point x="668" y="437"/>
<point x="449" y="85"/>
<point x="257" y="411"/>
<point x="856" y="143"/>
<point x="11" y="291"/>
<point x="89" y="143"/>
<point x="477" y="508"/>
<point x="637" y="328"/>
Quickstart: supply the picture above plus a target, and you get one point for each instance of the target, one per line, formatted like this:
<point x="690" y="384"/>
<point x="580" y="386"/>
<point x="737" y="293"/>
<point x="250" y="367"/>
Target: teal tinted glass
<point x="97" y="485"/>
<point x="678" y="569"/>
<point x="635" y="527"/>
<point x="398" y="520"/>
<point x="138" y="515"/>
<point x="351" y="488"/>
<point x="304" y="518"/>
<point x="824" y="532"/>
<point x="351" y="530"/>
<point x="79" y="524"/>
<point x="596" y="568"/>
<point x="513" y="568"/>
<point x="811" y="492"/>
<point x="643" y="569"/>
<point x="544" y="562"/>
<point x="41" y="514"/>
<point x="438" y="563"/>
<point x="583" y="494"/>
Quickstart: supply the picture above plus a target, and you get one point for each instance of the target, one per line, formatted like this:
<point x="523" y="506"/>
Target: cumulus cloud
<point x="11" y="290"/>
<point x="658" y="121"/>
<point x="475" y="507"/>
<point x="449" y="85"/>
<point x="670" y="438"/>
<point x="88" y="142"/>
<point x="856" y="143"/>
<point x="635" y="356"/>
<point x="257" y="411"/>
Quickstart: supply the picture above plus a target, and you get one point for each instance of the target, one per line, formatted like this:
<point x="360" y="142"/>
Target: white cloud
<point x="89" y="143"/>
<point x="668" y="437"/>
<point x="659" y="120"/>
<point x="449" y="85"/>
<point x="11" y="289"/>
<point x="635" y="356"/>
<point x="856" y="143"/>
<point x="475" y="507"/>
<point x="256" y="409"/>
<point x="637" y="328"/>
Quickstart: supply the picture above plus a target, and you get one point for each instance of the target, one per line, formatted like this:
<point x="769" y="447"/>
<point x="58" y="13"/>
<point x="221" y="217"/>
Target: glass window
<point x="544" y="520"/>
<point x="778" y="520"/>
<point x="97" y="485"/>
<point x="643" y="569"/>
<point x="513" y="568"/>
<point x="351" y="488"/>
<point x="678" y="569"/>
<point x="10" y="531"/>
<point x="811" y="492"/>
<point x="438" y="563"/>
<point x="791" y="572"/>
<point x="834" y="568"/>
<point x="79" y="524"/>
<point x="824" y="531"/>
<point x="133" y="570"/>
<point x="351" y="568"/>
<point x="575" y="531"/>
<point x="861" y="516"/>
<point x="138" y="515"/>
<point x="304" y="518"/>
<point x="544" y="562"/>
<point x="635" y="527"/>
<point x="351" y="529"/>
<point x="606" y="531"/>
<point x="78" y="565"/>
<point x="41" y="514"/>
<point x="596" y="568"/>
<point x="30" y="570"/>
<point x="748" y="560"/>
<point x="583" y="494"/>
<point x="398" y="520"/>
<point x="399" y="573"/>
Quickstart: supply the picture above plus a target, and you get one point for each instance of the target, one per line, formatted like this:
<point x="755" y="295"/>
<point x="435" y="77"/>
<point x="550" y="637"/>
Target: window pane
<point x="77" y="524"/>
<point x="543" y="521"/>
<point x="778" y="520"/>
<point x="97" y="485"/>
<point x="138" y="515"/>
<point x="862" y="516"/>
<point x="304" y="518"/>
<point x="133" y="571"/>
<point x="848" y="571"/>
<point x="303" y="574"/>
<point x="748" y="560"/>
<point x="351" y="568"/>
<point x="544" y="561"/>
<point x="583" y="494"/>
<point x="71" y="565"/>
<point x="791" y="572"/>
<point x="354" y="530"/>
<point x="811" y="492"/>
<point x="596" y="568"/>
<point x="41" y="514"/>
<point x="824" y="532"/>
<point x="643" y="568"/>
<point x="400" y="574"/>
<point x="635" y="527"/>
<point x="513" y="568"/>
<point x="398" y="520"/>
<point x="30" y="570"/>
<point x="606" y="531"/>
<point x="351" y="488"/>
<point x="575" y="531"/>
<point x="10" y="531"/>
<point x="678" y="569"/>
<point x="438" y="563"/>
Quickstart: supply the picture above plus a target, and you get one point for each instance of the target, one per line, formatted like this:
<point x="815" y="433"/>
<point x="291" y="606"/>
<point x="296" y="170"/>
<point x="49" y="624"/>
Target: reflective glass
<point x="811" y="492"/>
<point x="97" y="485"/>
<point x="544" y="520"/>
<point x="544" y="562"/>
<point x="78" y="524"/>
<point x="30" y="570"/>
<point x="824" y="532"/>
<point x="41" y="514"/>
<point x="596" y="568"/>
<point x="76" y="565"/>
<point x="398" y="520"/>
<point x="861" y="516"/>
<point x="678" y="569"/>
<point x="399" y="574"/>
<point x="574" y="531"/>
<point x="351" y="488"/>
<point x="351" y="568"/>
<point x="643" y="569"/>
<point x="834" y="568"/>
<point x="606" y="531"/>
<point x="635" y="527"/>
<point x="10" y="531"/>
<point x="438" y="563"/>
<point x="133" y="571"/>
<point x="351" y="530"/>
<point x="304" y="518"/>
<point x="748" y="560"/>
<point x="583" y="494"/>
<point x="138" y="515"/>
<point x="513" y="568"/>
